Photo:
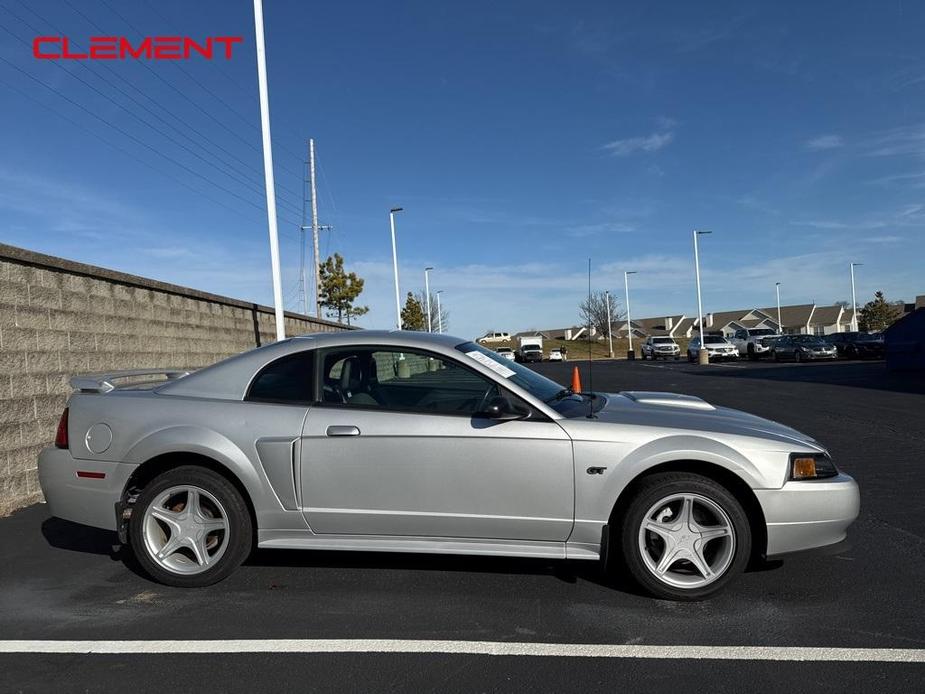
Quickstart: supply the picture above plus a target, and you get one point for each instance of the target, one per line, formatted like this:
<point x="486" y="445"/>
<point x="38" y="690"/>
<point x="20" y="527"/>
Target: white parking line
<point x="491" y="648"/>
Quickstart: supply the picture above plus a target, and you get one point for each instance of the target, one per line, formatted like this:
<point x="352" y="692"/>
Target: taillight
<point x="61" y="436"/>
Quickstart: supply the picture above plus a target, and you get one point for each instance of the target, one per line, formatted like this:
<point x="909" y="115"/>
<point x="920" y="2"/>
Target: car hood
<point x="687" y="412"/>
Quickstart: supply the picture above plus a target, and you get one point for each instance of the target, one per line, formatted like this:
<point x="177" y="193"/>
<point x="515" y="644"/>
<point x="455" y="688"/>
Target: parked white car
<point x="506" y="352"/>
<point x="555" y="354"/>
<point x="717" y="348"/>
<point x="754" y="342"/>
<point x="493" y="336"/>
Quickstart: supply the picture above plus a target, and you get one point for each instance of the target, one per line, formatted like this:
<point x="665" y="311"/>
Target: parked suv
<point x="531" y="353"/>
<point x="754" y="342"/>
<point x="717" y="348"/>
<point x="660" y="348"/>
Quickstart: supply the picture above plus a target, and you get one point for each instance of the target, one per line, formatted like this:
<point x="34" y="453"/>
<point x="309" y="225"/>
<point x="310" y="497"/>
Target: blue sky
<point x="520" y="137"/>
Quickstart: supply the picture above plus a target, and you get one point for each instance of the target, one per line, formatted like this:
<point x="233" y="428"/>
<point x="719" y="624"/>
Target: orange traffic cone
<point x="576" y="381"/>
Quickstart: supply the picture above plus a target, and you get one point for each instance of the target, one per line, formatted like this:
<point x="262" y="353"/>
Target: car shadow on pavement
<point x="564" y="570"/>
<point x="859" y="374"/>
<point x="75" y="537"/>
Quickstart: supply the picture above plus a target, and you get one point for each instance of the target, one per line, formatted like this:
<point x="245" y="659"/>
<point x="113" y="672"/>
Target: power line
<point x="233" y="174"/>
<point x="128" y="134"/>
<point x="198" y="83"/>
<point x="232" y="81"/>
<point x="198" y="132"/>
<point x="113" y="145"/>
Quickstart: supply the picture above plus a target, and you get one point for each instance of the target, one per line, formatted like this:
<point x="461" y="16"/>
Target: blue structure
<point x="905" y="342"/>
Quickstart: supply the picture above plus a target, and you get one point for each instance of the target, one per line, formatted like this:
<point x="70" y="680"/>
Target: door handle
<point x="343" y="430"/>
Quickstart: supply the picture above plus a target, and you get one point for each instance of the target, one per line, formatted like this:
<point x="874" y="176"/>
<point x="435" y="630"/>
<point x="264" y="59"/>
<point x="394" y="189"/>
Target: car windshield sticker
<point x="485" y="360"/>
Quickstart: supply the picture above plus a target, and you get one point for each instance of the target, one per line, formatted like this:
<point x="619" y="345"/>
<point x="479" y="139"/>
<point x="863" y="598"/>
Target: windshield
<point x="808" y="339"/>
<point x="663" y="341"/>
<point x="539" y="386"/>
<point x="714" y="340"/>
<point x="867" y="337"/>
<point x="761" y="331"/>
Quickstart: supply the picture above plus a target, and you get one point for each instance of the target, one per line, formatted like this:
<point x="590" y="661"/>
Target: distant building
<point x="796" y="319"/>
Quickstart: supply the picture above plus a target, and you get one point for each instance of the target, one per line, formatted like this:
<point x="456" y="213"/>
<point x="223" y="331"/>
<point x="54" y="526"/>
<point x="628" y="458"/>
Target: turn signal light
<point x="61" y="435"/>
<point x="805" y="466"/>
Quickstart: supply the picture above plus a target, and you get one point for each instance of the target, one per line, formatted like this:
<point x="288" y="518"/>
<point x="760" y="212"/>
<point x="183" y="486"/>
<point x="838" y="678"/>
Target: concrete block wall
<point x="59" y="318"/>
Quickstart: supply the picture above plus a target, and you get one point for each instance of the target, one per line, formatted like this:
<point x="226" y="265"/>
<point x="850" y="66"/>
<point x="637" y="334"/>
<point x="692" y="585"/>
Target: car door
<point x="396" y="446"/>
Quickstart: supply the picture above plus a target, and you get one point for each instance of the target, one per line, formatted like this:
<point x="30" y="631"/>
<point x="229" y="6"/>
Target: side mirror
<point x="503" y="410"/>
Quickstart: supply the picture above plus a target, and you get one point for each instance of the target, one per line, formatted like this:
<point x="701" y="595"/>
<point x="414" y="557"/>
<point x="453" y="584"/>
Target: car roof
<point x="230" y="378"/>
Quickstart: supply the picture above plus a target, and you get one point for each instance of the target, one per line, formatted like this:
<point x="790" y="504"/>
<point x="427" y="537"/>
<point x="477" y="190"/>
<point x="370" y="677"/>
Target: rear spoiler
<point x="104" y="382"/>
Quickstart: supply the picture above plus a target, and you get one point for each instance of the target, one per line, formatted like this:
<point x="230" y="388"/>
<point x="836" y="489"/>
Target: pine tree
<point x="412" y="315"/>
<point x="878" y="314"/>
<point x="339" y="289"/>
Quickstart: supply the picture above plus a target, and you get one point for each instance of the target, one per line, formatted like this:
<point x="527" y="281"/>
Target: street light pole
<point x="439" y="313"/>
<point x="629" y="327"/>
<point x="609" y="324"/>
<point x="780" y="326"/>
<point x="395" y="267"/>
<point x="702" y="355"/>
<point x="268" y="170"/>
<point x="427" y="270"/>
<point x="854" y="300"/>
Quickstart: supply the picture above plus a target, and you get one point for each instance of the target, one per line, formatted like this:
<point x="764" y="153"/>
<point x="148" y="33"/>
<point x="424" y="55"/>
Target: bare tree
<point x="434" y="316"/>
<point x="593" y="311"/>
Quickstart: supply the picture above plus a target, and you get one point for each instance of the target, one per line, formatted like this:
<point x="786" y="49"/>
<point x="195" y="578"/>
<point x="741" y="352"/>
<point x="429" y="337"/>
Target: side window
<point x="389" y="379"/>
<point x="286" y="380"/>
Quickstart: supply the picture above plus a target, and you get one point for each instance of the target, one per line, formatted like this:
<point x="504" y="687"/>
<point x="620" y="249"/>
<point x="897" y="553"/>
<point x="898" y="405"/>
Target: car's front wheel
<point x="684" y="536"/>
<point x="190" y="527"/>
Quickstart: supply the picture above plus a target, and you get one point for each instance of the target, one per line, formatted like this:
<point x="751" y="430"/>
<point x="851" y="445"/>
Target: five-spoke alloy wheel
<point x="190" y="527"/>
<point x="684" y="536"/>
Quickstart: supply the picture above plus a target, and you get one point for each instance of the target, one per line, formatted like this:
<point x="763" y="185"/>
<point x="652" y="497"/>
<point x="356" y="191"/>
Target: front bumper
<point x="808" y="515"/>
<point x="724" y="354"/>
<point x="815" y="356"/>
<point x="87" y="500"/>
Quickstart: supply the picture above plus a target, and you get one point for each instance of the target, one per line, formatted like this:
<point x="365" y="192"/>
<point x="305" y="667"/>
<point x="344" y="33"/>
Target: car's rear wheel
<point x="190" y="527"/>
<point x="684" y="536"/>
<point x="690" y="357"/>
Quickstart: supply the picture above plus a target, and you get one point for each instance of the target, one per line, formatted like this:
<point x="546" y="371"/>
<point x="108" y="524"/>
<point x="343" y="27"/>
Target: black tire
<point x="797" y="356"/>
<point x="751" y="353"/>
<point x="649" y="492"/>
<point x="690" y="357"/>
<point x="776" y="355"/>
<point x="239" y="526"/>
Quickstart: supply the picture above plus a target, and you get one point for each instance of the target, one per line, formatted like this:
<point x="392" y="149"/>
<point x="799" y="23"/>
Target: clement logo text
<point x="121" y="48"/>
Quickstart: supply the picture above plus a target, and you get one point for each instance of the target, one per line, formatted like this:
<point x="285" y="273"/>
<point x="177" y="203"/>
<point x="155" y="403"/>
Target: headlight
<point x="811" y="466"/>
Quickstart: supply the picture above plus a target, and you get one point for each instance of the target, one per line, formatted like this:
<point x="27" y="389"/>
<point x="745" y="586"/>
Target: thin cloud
<point x="585" y="230"/>
<point x="824" y="142"/>
<point x="632" y="145"/>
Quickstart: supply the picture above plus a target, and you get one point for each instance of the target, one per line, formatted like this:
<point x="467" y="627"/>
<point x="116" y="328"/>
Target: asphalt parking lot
<point x="60" y="581"/>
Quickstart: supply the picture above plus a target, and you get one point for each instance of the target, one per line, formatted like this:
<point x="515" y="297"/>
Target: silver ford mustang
<point x="410" y="442"/>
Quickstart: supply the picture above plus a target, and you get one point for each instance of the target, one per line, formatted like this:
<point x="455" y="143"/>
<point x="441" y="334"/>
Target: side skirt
<point x="297" y="539"/>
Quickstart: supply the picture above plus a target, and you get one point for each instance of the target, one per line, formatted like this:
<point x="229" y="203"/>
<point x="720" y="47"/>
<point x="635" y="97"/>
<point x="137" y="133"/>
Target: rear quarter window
<point x="289" y="379"/>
